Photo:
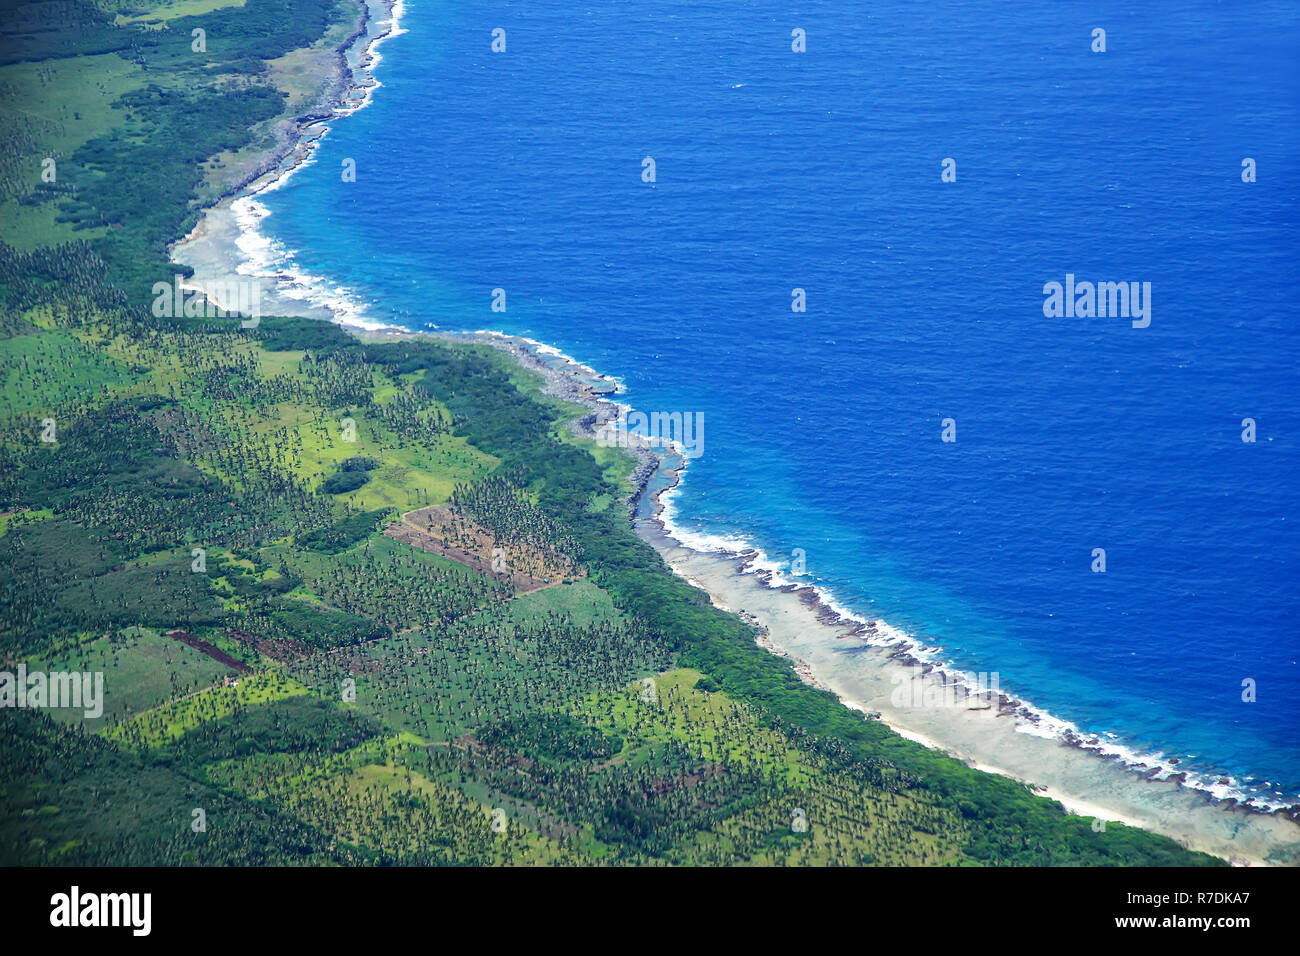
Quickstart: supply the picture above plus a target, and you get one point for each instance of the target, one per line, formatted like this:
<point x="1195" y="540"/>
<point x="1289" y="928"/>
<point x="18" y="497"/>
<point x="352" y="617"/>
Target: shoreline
<point x="795" y="620"/>
<point x="827" y="651"/>
<point x="221" y="244"/>
<point x="796" y="623"/>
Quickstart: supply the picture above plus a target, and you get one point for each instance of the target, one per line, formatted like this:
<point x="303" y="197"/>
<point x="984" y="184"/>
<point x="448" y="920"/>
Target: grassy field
<point x="41" y="372"/>
<point x="142" y="670"/>
<point x="160" y="13"/>
<point x="170" y="721"/>
<point x="67" y="103"/>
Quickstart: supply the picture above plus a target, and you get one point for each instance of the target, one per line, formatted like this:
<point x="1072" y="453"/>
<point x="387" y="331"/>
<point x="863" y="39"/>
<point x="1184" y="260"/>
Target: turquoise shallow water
<point x="821" y="171"/>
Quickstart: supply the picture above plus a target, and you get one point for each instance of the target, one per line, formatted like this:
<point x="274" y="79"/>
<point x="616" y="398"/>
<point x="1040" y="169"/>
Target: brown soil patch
<point x="211" y="650"/>
<point x="284" y="651"/>
<point x="441" y="531"/>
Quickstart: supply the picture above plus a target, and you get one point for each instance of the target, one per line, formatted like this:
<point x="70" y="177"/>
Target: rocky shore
<point x="343" y="89"/>
<point x="577" y="384"/>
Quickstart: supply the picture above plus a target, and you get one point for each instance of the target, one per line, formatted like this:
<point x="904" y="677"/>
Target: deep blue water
<point x="821" y="170"/>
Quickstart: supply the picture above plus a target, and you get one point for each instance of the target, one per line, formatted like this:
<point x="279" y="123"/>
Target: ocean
<point x="824" y="171"/>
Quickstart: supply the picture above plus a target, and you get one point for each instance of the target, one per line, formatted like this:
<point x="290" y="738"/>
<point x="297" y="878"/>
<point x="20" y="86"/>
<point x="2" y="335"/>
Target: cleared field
<point x="160" y="13"/>
<point x="156" y="727"/>
<point x="142" y="669"/>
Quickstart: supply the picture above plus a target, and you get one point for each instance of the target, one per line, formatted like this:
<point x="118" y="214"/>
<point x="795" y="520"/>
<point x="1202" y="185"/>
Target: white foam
<point x="1030" y="719"/>
<point x="267" y="257"/>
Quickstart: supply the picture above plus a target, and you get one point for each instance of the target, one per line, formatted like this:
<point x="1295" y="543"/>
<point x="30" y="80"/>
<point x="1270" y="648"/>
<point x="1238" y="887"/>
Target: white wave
<point x="1030" y="719"/>
<point x="268" y="257"/>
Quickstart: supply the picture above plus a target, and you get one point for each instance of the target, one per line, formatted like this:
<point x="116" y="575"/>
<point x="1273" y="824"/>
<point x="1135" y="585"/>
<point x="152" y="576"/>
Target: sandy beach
<point x="225" y="245"/>
<point x="827" y="650"/>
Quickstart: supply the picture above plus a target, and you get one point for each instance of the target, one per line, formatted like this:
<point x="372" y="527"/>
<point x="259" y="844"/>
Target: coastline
<point x="828" y="647"/>
<point x="796" y="622"/>
<point x="224" y="243"/>
<point x="828" y="651"/>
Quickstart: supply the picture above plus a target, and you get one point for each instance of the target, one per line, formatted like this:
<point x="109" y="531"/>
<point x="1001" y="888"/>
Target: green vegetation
<point x="197" y="511"/>
<point x="144" y="668"/>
